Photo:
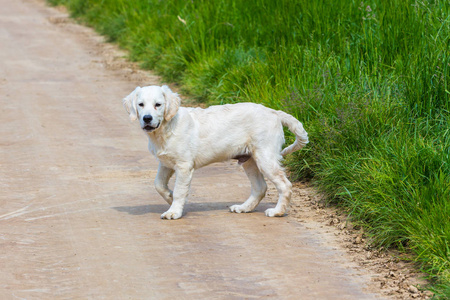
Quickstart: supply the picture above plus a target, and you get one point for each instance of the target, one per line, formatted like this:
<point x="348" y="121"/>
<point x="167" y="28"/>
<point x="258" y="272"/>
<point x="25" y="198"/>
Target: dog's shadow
<point x="190" y="207"/>
<point x="142" y="209"/>
<point x="160" y="208"/>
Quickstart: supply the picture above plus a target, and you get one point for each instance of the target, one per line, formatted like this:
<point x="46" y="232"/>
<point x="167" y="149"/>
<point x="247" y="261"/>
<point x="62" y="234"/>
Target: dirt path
<point x="79" y="216"/>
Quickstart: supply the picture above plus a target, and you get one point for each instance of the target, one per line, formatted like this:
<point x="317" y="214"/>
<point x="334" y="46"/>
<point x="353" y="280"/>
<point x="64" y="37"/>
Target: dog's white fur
<point x="184" y="139"/>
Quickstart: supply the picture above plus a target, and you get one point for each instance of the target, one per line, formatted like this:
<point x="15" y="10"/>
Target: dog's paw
<point x="239" y="209"/>
<point x="171" y="215"/>
<point x="272" y="212"/>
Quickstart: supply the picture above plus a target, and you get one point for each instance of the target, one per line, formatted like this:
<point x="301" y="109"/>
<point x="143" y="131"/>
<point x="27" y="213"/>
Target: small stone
<point x="404" y="286"/>
<point x="395" y="289"/>
<point x="413" y="290"/>
<point x="391" y="274"/>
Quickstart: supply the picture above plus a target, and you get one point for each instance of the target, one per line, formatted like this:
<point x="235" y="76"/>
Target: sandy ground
<point x="79" y="216"/>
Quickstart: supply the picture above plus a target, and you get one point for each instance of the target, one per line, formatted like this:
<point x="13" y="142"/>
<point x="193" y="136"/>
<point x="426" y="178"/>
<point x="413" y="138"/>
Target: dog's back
<point x="248" y="124"/>
<point x="233" y="130"/>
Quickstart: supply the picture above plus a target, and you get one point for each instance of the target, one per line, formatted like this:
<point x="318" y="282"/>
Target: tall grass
<point x="369" y="79"/>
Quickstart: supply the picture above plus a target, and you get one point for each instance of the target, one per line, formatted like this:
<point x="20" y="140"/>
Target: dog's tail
<point x="296" y="127"/>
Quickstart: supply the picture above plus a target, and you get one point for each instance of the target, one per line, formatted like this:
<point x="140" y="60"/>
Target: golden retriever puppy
<point x="184" y="139"/>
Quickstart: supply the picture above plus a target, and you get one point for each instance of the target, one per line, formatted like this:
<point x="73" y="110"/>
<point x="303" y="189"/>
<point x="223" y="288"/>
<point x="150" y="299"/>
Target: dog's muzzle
<point x="147" y="123"/>
<point x="150" y="128"/>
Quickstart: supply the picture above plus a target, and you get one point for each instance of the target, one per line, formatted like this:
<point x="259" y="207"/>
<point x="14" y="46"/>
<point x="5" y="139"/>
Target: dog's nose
<point x="147" y="118"/>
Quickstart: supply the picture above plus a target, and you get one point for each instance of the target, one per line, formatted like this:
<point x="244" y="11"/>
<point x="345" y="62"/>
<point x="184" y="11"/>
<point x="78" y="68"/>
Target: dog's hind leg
<point x="259" y="188"/>
<point x="161" y="183"/>
<point x="271" y="168"/>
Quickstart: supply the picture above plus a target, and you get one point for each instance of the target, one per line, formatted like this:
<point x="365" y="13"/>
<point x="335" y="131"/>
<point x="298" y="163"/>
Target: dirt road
<point x="79" y="217"/>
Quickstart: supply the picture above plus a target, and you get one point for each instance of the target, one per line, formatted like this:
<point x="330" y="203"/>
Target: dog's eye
<point x="157" y="104"/>
<point x="141" y="104"/>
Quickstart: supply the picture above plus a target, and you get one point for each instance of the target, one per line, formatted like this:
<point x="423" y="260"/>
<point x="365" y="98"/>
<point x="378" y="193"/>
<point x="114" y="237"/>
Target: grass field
<point x="369" y="80"/>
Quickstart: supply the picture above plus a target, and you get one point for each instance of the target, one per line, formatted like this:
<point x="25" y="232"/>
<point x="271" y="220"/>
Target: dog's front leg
<point x="161" y="183"/>
<point x="180" y="193"/>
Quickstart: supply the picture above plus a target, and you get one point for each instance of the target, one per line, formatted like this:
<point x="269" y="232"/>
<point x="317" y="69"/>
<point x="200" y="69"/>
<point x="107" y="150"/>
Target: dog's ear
<point x="172" y="103"/>
<point x="129" y="102"/>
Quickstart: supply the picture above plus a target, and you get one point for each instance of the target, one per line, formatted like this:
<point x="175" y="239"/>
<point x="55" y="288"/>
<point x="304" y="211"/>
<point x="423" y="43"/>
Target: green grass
<point x="369" y="80"/>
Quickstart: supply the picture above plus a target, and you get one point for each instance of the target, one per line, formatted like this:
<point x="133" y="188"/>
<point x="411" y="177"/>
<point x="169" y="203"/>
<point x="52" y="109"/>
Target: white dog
<point x="184" y="139"/>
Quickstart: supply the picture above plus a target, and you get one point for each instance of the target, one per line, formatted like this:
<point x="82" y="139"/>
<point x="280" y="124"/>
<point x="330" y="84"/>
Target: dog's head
<point x="153" y="105"/>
